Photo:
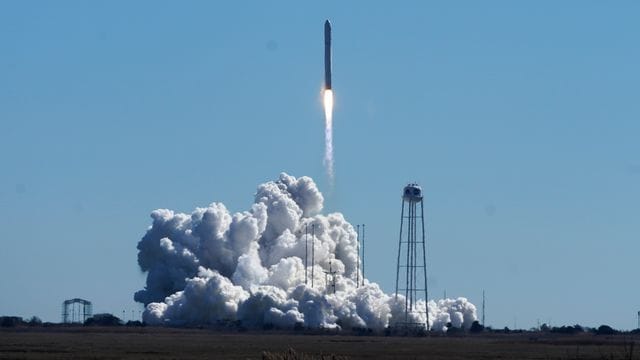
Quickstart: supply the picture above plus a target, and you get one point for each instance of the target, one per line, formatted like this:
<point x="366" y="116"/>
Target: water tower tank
<point x="412" y="193"/>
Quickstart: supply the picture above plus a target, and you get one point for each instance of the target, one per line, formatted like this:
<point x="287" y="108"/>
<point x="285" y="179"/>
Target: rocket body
<point x="327" y="55"/>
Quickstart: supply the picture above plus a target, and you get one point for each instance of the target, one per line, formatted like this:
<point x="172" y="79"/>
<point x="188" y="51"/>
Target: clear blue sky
<point x="520" y="120"/>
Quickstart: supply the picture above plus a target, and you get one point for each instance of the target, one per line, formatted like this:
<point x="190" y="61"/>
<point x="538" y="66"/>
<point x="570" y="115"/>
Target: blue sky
<point x="519" y="119"/>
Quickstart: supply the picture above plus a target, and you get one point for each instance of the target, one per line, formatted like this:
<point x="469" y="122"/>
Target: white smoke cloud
<point x="213" y="266"/>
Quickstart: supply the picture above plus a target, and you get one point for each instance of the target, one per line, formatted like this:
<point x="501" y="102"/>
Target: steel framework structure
<point x="76" y="310"/>
<point x="412" y="249"/>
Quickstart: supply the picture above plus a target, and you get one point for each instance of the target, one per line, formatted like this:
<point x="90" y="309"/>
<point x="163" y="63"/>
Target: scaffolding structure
<point x="76" y="311"/>
<point x="411" y="271"/>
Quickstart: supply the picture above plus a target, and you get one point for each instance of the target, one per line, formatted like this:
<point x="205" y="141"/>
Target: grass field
<point x="164" y="343"/>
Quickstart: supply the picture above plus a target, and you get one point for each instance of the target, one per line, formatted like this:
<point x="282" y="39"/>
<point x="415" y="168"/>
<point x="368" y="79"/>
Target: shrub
<point x="606" y="330"/>
<point x="103" y="320"/>
<point x="476" y="327"/>
<point x="35" y="321"/>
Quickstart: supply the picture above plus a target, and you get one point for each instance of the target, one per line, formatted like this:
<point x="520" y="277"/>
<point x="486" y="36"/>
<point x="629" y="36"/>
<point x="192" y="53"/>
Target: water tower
<point x="411" y="273"/>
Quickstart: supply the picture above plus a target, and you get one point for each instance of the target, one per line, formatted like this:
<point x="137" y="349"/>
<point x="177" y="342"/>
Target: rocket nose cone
<point x="327" y="24"/>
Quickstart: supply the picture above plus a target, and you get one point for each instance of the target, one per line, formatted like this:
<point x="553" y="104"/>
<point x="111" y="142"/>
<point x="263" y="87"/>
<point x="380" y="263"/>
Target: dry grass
<point x="164" y="343"/>
<point x="295" y="355"/>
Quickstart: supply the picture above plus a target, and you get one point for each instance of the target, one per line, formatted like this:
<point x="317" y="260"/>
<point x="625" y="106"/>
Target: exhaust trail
<point x="328" y="134"/>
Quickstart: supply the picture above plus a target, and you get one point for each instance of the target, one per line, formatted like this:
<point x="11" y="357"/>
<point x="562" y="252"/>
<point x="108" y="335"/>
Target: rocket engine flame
<point x="328" y="133"/>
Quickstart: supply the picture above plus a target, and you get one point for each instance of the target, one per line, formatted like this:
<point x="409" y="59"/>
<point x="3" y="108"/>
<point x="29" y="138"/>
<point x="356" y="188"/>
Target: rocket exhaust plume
<point x="328" y="104"/>
<point x="328" y="133"/>
<point x="213" y="267"/>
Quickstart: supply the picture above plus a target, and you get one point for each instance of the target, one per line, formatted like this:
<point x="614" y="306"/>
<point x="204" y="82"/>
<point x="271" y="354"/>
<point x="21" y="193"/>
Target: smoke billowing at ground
<point x="213" y="266"/>
<point x="328" y="134"/>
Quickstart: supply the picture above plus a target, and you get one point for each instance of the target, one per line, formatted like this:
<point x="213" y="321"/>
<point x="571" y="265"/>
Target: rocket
<point x="327" y="55"/>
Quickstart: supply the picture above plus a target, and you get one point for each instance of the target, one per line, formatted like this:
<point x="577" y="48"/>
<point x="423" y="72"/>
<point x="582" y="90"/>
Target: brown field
<point x="164" y="343"/>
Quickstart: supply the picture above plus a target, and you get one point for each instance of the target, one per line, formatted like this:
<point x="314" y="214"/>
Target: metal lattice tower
<point x="411" y="273"/>
<point x="76" y="310"/>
